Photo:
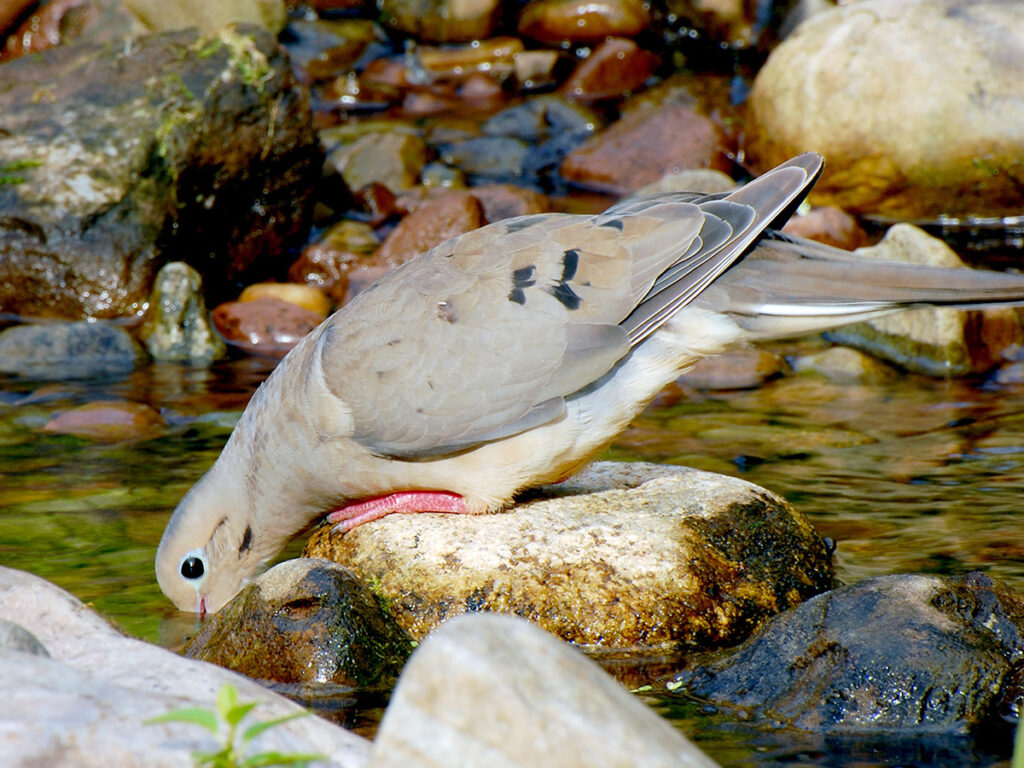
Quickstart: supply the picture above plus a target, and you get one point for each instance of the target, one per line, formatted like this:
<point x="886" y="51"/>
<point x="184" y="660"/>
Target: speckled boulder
<point x="917" y="105"/>
<point x="622" y="556"/>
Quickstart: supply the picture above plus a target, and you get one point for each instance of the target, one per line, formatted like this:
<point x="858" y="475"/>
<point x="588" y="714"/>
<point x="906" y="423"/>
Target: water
<point x="916" y="475"/>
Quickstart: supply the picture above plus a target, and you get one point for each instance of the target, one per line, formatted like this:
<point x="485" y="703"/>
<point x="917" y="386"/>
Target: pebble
<point x="265" y="326"/>
<point x="177" y="327"/>
<point x="79" y="350"/>
<point x="326" y="264"/>
<point x="441" y="21"/>
<point x="829" y="225"/>
<point x="301" y="295"/>
<point x="393" y="159"/>
<point x="492" y="157"/>
<point x="555" y="22"/>
<point x="643" y="146"/>
<point x="845" y="365"/>
<point x="112" y="421"/>
<point x="430" y="224"/>
<point x="614" y="68"/>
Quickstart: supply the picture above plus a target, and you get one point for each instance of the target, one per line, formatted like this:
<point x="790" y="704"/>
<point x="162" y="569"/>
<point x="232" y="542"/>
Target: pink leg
<point x="351" y="515"/>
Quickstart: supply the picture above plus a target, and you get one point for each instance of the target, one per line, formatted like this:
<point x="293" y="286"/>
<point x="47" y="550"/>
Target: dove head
<point x="208" y="551"/>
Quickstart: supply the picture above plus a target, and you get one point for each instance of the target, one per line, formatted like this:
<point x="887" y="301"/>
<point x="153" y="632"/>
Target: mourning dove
<point x="509" y="356"/>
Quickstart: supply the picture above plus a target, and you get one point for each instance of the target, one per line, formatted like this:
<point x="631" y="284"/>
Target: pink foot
<point x="352" y="515"/>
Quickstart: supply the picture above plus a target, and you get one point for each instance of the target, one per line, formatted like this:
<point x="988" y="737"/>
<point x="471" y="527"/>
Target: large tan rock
<point x="622" y="556"/>
<point x="918" y="106"/>
<point x="207" y="17"/>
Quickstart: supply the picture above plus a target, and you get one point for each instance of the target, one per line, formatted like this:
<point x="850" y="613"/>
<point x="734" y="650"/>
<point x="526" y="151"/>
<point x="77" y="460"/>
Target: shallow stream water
<point x="917" y="475"/>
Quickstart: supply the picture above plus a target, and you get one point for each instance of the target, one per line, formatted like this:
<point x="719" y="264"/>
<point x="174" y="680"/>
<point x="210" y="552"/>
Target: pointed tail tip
<point x="811" y="162"/>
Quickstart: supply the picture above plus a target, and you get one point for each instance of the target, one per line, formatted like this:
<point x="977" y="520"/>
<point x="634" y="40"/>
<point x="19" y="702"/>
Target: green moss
<point x="249" y="62"/>
<point x="7" y="171"/>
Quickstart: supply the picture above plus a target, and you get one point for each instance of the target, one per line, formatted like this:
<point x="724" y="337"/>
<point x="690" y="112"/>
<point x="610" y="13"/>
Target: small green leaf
<point x="194" y="715"/>
<point x="236" y="714"/>
<point x="227" y="699"/>
<point x="256" y="729"/>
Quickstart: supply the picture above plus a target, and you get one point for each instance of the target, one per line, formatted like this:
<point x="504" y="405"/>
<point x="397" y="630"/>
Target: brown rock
<point x="845" y="365"/>
<point x="503" y="201"/>
<point x="614" y="68"/>
<point x="555" y="22"/>
<point x="534" y="69"/>
<point x="828" y="225"/>
<point x="268" y="327"/>
<point x="742" y="369"/>
<point x="301" y="295"/>
<point x="496" y="57"/>
<point x="392" y="158"/>
<point x="644" y="145"/>
<point x="441" y="21"/>
<point x="326" y="264"/>
<point x="109" y="421"/>
<point x="432" y="223"/>
<point x="622" y="556"/>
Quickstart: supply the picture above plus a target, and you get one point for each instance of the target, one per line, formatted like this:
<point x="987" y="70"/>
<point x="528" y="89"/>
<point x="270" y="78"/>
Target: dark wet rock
<point x="494" y="157"/>
<point x="845" y="365"/>
<point x="729" y="25"/>
<point x="441" y="21"/>
<point x="327" y="262"/>
<point x="430" y="224"/>
<point x="935" y="342"/>
<point x="68" y="351"/>
<point x="392" y="158"/>
<point x="305" y="620"/>
<point x="566" y="21"/>
<point x="108" y="420"/>
<point x="177" y="326"/>
<point x="86" y="704"/>
<point x="299" y="294"/>
<point x="329" y="48"/>
<point x="743" y="369"/>
<point x="828" y="225"/>
<point x="14" y="637"/>
<point x="541" y="117"/>
<point x="266" y="326"/>
<point x="906" y="652"/>
<point x="494" y="690"/>
<point x="614" y="68"/>
<point x="858" y="84"/>
<point x="644" y="145"/>
<point x="115" y="157"/>
<point x="441" y="176"/>
<point x="623" y="556"/>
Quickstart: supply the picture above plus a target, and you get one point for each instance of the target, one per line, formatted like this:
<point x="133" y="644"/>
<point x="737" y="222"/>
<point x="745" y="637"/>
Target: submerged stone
<point x="636" y="557"/>
<point x="305" y="620"/>
<point x="906" y="652"/>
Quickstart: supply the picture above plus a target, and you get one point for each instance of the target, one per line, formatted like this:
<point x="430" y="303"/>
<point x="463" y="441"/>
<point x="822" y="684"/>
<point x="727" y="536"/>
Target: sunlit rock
<point x="299" y="294"/>
<point x="177" y="326"/>
<point x="898" y="653"/>
<point x="391" y="158"/>
<point x="494" y="690"/>
<point x="567" y="21"/>
<point x="113" y="420"/>
<point x="265" y="326"/>
<point x="623" y="556"/>
<point x="305" y="620"/>
<point x="208" y="18"/>
<point x="430" y="224"/>
<point x="918" y="107"/>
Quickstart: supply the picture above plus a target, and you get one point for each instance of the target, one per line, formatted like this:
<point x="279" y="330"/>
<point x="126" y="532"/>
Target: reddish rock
<point x="828" y="225"/>
<point x="431" y="223"/>
<point x="615" y="67"/>
<point x="569" y="21"/>
<point x="441" y="21"/>
<point x="377" y="201"/>
<point x="266" y="326"/>
<point x="326" y="264"/>
<point x="643" y="146"/>
<point x="503" y="201"/>
<point x="114" y="421"/>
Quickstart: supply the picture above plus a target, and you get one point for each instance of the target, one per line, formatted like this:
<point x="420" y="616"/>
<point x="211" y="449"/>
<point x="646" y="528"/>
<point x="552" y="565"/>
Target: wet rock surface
<point x="858" y="84"/>
<point x="68" y="351"/>
<point x="905" y="652"/>
<point x="305" y="620"/>
<point x="494" y="690"/>
<point x="177" y="327"/>
<point x="638" y="557"/>
<point x="116" y="156"/>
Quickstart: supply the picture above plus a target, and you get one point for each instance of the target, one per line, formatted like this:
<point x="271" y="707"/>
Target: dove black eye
<point x="192" y="568"/>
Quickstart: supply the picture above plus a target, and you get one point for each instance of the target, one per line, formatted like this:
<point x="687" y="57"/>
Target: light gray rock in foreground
<point x="935" y="341"/>
<point x="490" y="691"/>
<point x="638" y="557"/>
<point x="86" y="705"/>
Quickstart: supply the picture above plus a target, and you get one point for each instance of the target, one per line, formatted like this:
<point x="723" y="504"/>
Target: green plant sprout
<point x="225" y="723"/>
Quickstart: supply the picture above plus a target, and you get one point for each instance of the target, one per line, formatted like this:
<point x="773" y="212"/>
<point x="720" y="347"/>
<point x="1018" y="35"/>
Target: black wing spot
<point x="570" y="263"/>
<point x="517" y="295"/>
<point x="524" y="277"/>
<point x="613" y="223"/>
<point x="565" y="294"/>
<point x="246" y="540"/>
